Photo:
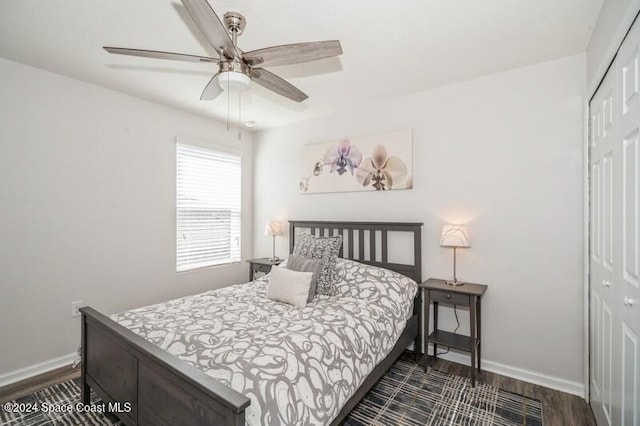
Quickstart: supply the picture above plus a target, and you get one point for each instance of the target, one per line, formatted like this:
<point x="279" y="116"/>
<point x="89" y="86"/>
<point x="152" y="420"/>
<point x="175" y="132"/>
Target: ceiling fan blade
<point x="212" y="90"/>
<point x="293" y="53"/>
<point x="159" y="55"/>
<point x="212" y="27"/>
<point x="276" y="84"/>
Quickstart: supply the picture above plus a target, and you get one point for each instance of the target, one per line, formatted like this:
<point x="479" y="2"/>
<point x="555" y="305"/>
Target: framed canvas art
<point x="378" y="162"/>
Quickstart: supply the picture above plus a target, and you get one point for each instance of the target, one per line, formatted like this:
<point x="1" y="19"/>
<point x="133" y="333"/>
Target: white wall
<point x="87" y="193"/>
<point x="501" y="153"/>
<point x="614" y="20"/>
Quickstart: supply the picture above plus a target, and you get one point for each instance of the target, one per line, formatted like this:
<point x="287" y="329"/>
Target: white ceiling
<point x="391" y="48"/>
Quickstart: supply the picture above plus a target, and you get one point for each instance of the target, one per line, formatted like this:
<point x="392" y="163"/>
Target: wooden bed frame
<point x="122" y="367"/>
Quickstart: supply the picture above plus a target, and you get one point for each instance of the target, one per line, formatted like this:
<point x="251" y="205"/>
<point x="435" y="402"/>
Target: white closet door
<point x="603" y="257"/>
<point x="615" y="237"/>
<point x="628" y="273"/>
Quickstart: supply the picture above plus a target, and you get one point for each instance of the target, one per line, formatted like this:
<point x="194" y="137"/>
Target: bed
<point x="129" y="358"/>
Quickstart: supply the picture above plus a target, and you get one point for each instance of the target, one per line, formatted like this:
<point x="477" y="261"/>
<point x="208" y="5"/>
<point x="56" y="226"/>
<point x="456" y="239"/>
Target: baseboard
<point x="36" y="369"/>
<point x="562" y="385"/>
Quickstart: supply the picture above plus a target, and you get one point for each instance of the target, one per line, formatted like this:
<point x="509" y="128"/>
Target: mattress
<point x="297" y="365"/>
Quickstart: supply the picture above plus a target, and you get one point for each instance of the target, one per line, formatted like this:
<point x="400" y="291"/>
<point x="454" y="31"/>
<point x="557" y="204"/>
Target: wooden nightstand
<point x="262" y="264"/>
<point x="467" y="294"/>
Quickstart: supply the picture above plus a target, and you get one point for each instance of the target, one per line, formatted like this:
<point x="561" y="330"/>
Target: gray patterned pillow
<point x="355" y="279"/>
<point x="325" y="249"/>
<point x="302" y="264"/>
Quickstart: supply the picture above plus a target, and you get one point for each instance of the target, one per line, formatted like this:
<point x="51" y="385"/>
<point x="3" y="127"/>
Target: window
<point x="207" y="207"/>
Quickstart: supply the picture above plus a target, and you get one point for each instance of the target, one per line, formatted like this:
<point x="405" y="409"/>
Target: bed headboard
<point x="353" y="235"/>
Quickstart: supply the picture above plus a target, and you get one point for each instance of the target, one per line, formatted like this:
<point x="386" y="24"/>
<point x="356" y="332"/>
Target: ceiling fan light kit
<point x="234" y="76"/>
<point x="233" y="80"/>
<point x="236" y="69"/>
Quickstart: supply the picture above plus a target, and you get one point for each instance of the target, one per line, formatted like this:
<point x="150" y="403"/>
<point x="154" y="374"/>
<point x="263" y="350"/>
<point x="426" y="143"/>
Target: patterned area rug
<point x="406" y="395"/>
<point x="39" y="408"/>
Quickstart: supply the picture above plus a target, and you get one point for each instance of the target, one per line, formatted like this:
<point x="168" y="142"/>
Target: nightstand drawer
<point x="261" y="265"/>
<point x="449" y="297"/>
<point x="257" y="267"/>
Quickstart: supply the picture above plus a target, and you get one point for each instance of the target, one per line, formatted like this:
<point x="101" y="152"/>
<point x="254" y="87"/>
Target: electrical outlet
<point x="75" y="308"/>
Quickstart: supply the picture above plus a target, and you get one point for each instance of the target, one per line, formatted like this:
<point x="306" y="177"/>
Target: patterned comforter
<point x="298" y="365"/>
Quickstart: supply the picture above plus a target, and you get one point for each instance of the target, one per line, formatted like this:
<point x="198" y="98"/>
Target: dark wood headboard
<point x="353" y="234"/>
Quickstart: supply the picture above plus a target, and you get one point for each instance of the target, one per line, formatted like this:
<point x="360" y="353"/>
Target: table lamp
<point x="454" y="236"/>
<point x="273" y="228"/>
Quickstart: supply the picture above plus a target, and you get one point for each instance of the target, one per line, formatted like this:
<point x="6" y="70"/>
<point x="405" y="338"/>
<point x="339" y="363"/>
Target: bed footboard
<point x="144" y="385"/>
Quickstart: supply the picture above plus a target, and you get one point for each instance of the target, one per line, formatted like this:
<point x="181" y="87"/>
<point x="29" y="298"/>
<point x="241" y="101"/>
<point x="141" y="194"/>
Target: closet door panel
<point x="604" y="110"/>
<point x="628" y="297"/>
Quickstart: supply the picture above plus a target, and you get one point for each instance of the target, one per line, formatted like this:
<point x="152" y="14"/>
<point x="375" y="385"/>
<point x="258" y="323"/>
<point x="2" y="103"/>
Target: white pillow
<point x="289" y="286"/>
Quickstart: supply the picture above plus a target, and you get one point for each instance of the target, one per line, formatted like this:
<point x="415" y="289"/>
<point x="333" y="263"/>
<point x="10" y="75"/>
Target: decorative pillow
<point x="355" y="279"/>
<point x="325" y="249"/>
<point x="289" y="286"/>
<point x="302" y="264"/>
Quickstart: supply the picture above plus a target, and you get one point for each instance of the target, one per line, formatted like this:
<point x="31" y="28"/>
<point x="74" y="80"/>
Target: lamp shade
<point x="454" y="236"/>
<point x="273" y="227"/>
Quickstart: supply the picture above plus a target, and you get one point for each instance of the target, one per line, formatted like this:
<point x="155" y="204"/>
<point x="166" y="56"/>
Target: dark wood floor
<point x="559" y="408"/>
<point x="34" y="384"/>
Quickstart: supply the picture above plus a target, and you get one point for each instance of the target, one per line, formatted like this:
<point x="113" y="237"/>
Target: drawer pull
<point x="629" y="301"/>
<point x="448" y="296"/>
<point x="606" y="283"/>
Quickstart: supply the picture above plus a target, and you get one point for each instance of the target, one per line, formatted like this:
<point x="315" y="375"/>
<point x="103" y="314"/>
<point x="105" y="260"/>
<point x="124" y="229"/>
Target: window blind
<point x="207" y="207"/>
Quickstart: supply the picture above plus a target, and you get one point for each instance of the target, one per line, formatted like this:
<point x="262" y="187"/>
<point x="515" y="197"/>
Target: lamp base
<point x="274" y="259"/>
<point x="454" y="283"/>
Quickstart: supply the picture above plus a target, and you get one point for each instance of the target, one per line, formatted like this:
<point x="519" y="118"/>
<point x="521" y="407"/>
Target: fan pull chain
<point x="239" y="115"/>
<point x="228" y="105"/>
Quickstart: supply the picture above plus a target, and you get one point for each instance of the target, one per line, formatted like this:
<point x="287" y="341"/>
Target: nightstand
<point x="262" y="264"/>
<point x="467" y="294"/>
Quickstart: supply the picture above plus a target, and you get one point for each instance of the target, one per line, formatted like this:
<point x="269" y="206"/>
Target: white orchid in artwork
<point x="381" y="170"/>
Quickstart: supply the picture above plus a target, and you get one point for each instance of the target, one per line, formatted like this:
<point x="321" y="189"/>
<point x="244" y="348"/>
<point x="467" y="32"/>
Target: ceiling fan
<point x="236" y="69"/>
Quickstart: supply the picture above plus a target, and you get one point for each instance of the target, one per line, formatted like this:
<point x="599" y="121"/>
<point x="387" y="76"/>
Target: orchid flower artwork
<point x="304" y="184"/>
<point x="376" y="162"/>
<point x="381" y="170"/>
<point x="343" y="157"/>
<point x="317" y="171"/>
